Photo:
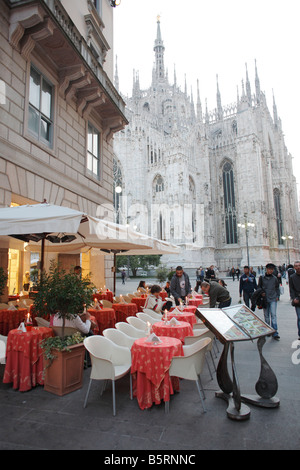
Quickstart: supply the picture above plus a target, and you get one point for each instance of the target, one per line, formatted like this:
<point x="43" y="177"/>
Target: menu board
<point x="236" y="323"/>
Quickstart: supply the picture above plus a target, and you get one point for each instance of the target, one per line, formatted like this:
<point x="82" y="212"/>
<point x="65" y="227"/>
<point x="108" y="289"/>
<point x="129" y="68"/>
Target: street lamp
<point x="246" y="226"/>
<point x="287" y="238"/>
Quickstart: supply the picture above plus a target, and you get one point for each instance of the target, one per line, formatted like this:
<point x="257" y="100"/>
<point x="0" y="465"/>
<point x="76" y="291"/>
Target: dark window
<point x="278" y="215"/>
<point x="229" y="204"/>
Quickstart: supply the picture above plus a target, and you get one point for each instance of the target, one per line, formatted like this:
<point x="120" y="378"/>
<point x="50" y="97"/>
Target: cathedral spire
<point x="199" y="105"/>
<point x="219" y="104"/>
<point x="248" y="87"/>
<point x="159" y="53"/>
<point x="275" y="114"/>
<point x="257" y="85"/>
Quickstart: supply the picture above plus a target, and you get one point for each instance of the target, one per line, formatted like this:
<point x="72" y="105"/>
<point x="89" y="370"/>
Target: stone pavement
<point x="38" y="420"/>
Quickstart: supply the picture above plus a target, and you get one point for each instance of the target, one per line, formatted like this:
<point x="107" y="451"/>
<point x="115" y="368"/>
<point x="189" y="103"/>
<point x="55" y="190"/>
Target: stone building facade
<point x="59" y="111"/>
<point x="193" y="176"/>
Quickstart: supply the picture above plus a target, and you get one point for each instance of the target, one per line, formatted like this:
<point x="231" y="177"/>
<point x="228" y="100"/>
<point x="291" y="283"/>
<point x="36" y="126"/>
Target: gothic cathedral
<point x="218" y="183"/>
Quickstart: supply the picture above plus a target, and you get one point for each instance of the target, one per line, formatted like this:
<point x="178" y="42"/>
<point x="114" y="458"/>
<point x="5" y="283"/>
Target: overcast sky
<point x="204" y="39"/>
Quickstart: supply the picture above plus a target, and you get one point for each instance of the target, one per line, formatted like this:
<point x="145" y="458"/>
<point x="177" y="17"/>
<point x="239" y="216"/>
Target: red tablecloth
<point x="125" y="310"/>
<point x="150" y="370"/>
<point x="174" y="331"/>
<point x="105" y="318"/>
<point x="11" y="319"/>
<point x="24" y="358"/>
<point x="163" y="295"/>
<point x="195" y="302"/>
<point x="139" y="301"/>
<point x="107" y="295"/>
<point x="184" y="316"/>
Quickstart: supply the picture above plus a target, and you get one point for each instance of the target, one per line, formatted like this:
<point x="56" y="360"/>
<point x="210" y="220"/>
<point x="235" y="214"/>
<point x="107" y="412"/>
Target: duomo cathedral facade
<point x="218" y="183"/>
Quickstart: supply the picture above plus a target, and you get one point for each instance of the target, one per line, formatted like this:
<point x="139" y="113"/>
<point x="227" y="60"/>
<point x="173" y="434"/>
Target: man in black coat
<point x="294" y="285"/>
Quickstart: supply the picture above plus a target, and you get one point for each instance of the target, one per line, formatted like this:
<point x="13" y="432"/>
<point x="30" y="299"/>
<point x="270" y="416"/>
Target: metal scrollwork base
<point x="266" y="386"/>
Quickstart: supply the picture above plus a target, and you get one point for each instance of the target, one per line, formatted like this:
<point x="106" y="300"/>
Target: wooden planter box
<point x="66" y="371"/>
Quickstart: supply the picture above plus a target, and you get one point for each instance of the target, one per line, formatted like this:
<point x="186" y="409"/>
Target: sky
<point x="217" y="37"/>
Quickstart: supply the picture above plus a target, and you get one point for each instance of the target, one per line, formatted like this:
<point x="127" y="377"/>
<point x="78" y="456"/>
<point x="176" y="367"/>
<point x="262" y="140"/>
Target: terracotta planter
<point x="66" y="371"/>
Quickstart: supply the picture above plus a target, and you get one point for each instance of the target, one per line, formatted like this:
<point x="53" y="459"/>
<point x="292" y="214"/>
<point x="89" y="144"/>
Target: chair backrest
<point x="4" y="306"/>
<point x="191" y="364"/>
<point x="106" y="303"/>
<point x="119" y="337"/>
<point x="126" y="298"/>
<point x="3" y="342"/>
<point x="137" y="323"/>
<point x="68" y="331"/>
<point x="147" y="318"/>
<point x="116" y="300"/>
<point x="42" y="322"/>
<point x="130" y="296"/>
<point x="105" y="354"/>
<point x="152" y="314"/>
<point x="130" y="330"/>
<point x="201" y="334"/>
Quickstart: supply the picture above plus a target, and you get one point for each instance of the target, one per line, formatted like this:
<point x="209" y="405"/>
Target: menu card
<point x="236" y="323"/>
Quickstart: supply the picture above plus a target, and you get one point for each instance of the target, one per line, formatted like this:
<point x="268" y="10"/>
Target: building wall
<point x="31" y="171"/>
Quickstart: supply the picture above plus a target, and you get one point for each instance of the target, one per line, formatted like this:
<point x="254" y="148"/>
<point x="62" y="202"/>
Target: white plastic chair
<point x="137" y="323"/>
<point x="109" y="362"/>
<point x="130" y="330"/>
<point x="146" y="318"/>
<point x="152" y="314"/>
<point x="3" y="342"/>
<point x="200" y="334"/>
<point x="106" y="303"/>
<point x="190" y="366"/>
<point x="42" y="322"/>
<point x="119" y="337"/>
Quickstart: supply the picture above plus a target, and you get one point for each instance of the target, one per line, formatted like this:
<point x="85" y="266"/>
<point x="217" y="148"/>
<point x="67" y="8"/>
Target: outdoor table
<point x="105" y="318"/>
<point x="139" y="301"/>
<point x="24" y="358"/>
<point x="195" y="302"/>
<point x="184" y="316"/>
<point x="11" y="319"/>
<point x="124" y="310"/>
<point x="106" y="295"/>
<point x="150" y="365"/>
<point x="179" y="331"/>
<point x="163" y="295"/>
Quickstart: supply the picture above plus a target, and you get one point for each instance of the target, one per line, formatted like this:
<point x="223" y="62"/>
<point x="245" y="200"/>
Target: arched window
<point x="278" y="214"/>
<point x="229" y="204"/>
<point x="159" y="184"/>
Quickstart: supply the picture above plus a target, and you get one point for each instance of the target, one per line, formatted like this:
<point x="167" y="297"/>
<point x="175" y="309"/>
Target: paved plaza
<point x="40" y="420"/>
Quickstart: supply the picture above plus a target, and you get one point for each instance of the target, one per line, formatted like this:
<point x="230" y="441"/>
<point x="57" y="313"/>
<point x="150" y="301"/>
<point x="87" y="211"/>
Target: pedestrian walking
<point x="123" y="275"/>
<point x="247" y="285"/>
<point x="270" y="285"/>
<point x="294" y="286"/>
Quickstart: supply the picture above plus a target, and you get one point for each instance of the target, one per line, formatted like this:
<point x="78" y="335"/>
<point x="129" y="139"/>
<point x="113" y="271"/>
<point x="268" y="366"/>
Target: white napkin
<point x="176" y="311"/>
<point x="173" y="321"/>
<point x="153" y="339"/>
<point x="22" y="327"/>
<point x="12" y="307"/>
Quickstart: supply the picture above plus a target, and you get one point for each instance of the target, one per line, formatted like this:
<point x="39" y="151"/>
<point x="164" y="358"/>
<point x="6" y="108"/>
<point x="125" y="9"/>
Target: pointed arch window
<point x="278" y="213"/>
<point x="159" y="184"/>
<point x="229" y="204"/>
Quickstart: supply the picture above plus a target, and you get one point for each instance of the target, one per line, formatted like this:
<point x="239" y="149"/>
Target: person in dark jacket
<point x="180" y="286"/>
<point x="294" y="285"/>
<point x="217" y="294"/>
<point x="270" y="284"/>
<point x="247" y="285"/>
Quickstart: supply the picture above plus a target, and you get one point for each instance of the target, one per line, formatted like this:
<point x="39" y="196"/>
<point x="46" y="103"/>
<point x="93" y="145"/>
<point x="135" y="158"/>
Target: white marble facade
<point x="190" y="176"/>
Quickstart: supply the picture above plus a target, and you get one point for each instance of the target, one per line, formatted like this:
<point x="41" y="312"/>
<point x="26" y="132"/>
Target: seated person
<point x="142" y="287"/>
<point x="167" y="288"/>
<point x="155" y="303"/>
<point x="83" y="325"/>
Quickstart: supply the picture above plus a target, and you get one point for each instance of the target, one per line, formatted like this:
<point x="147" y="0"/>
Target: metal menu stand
<point x="239" y="323"/>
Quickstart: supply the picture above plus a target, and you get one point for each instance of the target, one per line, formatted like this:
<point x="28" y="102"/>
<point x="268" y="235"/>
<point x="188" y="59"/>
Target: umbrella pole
<point x="42" y="259"/>
<point x="114" y="268"/>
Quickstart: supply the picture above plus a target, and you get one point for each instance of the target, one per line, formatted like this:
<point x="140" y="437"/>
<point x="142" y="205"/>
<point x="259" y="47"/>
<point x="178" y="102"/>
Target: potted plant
<point x="66" y="295"/>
